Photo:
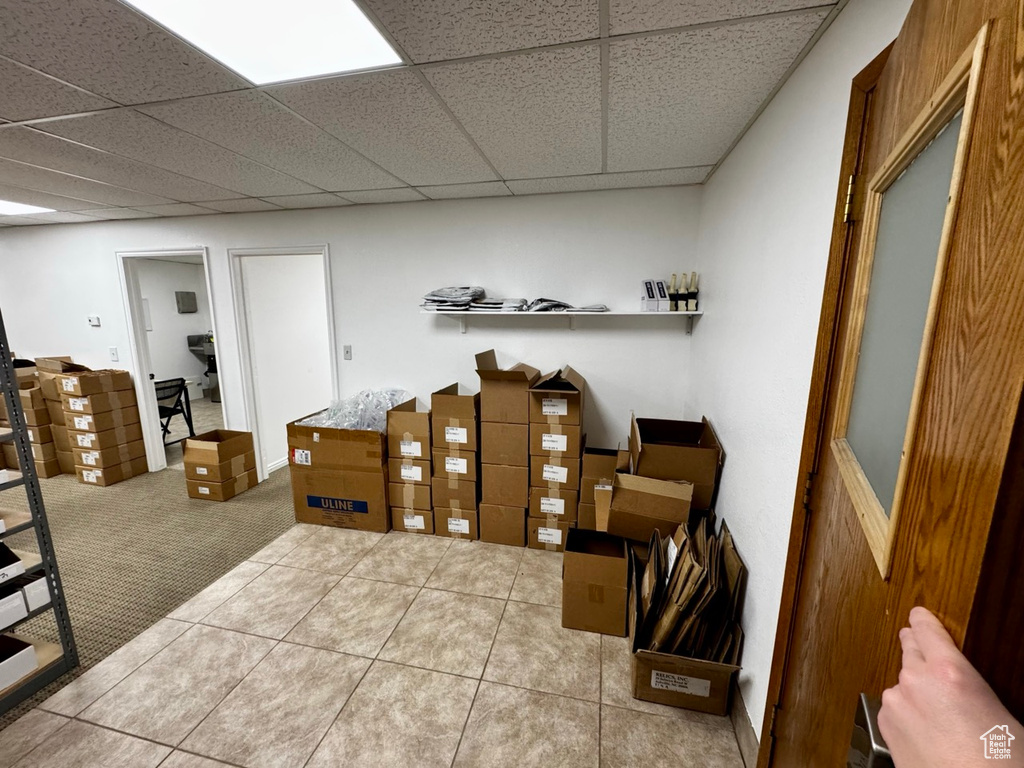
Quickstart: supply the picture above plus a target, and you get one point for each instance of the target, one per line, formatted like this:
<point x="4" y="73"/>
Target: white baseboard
<point x="277" y="465"/>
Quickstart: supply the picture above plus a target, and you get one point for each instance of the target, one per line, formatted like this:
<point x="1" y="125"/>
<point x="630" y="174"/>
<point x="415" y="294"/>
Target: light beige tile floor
<point x="333" y="648"/>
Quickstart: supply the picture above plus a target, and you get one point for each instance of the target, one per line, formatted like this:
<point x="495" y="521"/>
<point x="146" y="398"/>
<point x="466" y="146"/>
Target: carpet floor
<point x="129" y="554"/>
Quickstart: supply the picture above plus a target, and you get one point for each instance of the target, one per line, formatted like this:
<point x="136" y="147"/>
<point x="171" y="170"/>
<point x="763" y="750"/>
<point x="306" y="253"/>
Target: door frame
<point x="138" y="342"/>
<point x="243" y="323"/>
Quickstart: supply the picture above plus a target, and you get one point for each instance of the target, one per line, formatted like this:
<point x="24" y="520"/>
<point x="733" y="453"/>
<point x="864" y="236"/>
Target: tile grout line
<point x="340" y="710"/>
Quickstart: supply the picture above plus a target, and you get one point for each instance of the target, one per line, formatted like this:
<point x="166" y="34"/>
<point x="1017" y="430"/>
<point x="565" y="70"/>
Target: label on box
<point x="91" y="458"/>
<point x="410" y="472"/>
<point x="91" y="475"/>
<point x="70" y="383"/>
<point x="410" y="448"/>
<point x="77" y="403"/>
<point x="202" y="471"/>
<point x="85" y="441"/>
<point x="83" y="422"/>
<point x="305" y="458"/>
<point x="455" y="435"/>
<point x="330" y="504"/>
<point x="673" y="550"/>
<point x="32" y="436"/>
<point x="554" y="442"/>
<point x="458" y="525"/>
<point x="554" y="406"/>
<point x="316" y="437"/>
<point x="455" y="465"/>
<point x="553" y="474"/>
<point x="204" y="491"/>
<point x="550" y="506"/>
<point x="694" y="686"/>
<point x="549" y="535"/>
<point x="413" y="522"/>
<point x="602" y="487"/>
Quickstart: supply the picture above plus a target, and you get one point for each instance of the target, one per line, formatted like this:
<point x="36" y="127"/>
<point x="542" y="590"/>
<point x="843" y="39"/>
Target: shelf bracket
<point x="689" y="325"/>
<point x="572" y="322"/>
<point x="462" y="325"/>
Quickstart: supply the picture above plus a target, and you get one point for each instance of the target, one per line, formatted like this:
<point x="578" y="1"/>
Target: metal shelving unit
<point x="466" y="317"/>
<point x="53" y="659"/>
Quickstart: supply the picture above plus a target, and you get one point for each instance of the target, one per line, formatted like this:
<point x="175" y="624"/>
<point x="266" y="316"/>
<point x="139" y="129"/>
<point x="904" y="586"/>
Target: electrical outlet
<point x="94" y="320"/>
<point x="113" y="354"/>
<point x="347" y="351"/>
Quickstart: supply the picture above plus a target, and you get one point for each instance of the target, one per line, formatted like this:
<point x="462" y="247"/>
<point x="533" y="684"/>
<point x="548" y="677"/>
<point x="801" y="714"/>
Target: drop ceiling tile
<point x="626" y="16"/>
<point x="480" y="189"/>
<point x="254" y="125"/>
<point x="26" y="94"/>
<point x="402" y="195"/>
<point x="393" y="119"/>
<point x="536" y="114"/>
<point x="136" y="136"/>
<point x="681" y="99"/>
<point x="42" y="199"/>
<point x="19" y="221"/>
<point x="118" y="213"/>
<point x="109" y="49"/>
<point x="437" y="30"/>
<point x="177" y="209"/>
<point x="45" y="180"/>
<point x="42" y="149"/>
<point x="322" y="200"/>
<point x="62" y="217"/>
<point x="242" y="205"/>
<point x="665" y="178"/>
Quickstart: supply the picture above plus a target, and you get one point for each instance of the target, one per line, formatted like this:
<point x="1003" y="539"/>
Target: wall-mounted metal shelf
<point x="465" y="318"/>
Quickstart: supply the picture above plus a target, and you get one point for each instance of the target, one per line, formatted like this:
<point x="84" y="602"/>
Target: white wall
<point x="764" y="236"/>
<point x="168" y="346"/>
<point x="581" y="247"/>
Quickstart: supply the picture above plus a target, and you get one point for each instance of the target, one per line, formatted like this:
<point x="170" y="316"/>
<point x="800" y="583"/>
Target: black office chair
<point x="172" y="400"/>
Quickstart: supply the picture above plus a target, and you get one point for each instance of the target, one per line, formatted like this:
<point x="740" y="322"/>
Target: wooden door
<point x="852" y="577"/>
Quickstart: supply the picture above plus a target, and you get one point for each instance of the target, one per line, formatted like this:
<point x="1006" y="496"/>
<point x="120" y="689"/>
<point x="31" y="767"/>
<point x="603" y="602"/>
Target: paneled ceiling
<point x="106" y="115"/>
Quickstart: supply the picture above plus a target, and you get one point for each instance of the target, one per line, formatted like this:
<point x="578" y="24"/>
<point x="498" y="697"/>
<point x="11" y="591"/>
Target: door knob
<point x="867" y="747"/>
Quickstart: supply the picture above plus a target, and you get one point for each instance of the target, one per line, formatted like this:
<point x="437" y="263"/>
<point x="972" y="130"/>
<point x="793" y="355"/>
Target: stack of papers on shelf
<point x="498" y="305"/>
<point x="452" y="299"/>
<point x="553" y="305"/>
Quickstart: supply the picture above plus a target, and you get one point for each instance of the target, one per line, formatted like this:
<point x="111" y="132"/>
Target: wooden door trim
<point x="840" y="249"/>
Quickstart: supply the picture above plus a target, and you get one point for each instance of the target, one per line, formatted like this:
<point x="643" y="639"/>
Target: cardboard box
<point x="408" y="431"/>
<point x="110" y="457"/>
<point x="204" y="489"/>
<point x="31" y="399"/>
<point x="455" y="434"/>
<point x="40" y="452"/>
<point x="104" y="476"/>
<point x="329" y="448"/>
<point x="34" y="589"/>
<point x="639" y="505"/>
<point x="25" y="373"/>
<point x="558" y="397"/>
<point x="504" y="394"/>
<point x="555" y="473"/>
<point x="349" y="498"/>
<point x="455" y="523"/>
<point x="453" y="494"/>
<point x="602" y="507"/>
<point x="409" y="471"/>
<point x="453" y="403"/>
<point x="589" y="484"/>
<point x="587" y="517"/>
<point x="507" y="444"/>
<point x="595" y="582"/>
<point x="219" y="473"/>
<point x="504" y="486"/>
<point x="548" y="533"/>
<point x="217" y="447"/>
<point x="563" y="441"/>
<point x="10" y="454"/>
<point x="55" y="409"/>
<point x="66" y="461"/>
<point x="503" y="525"/>
<point x="412" y="520"/>
<point x="60" y="438"/>
<point x="678" y="450"/>
<point x="99" y="422"/>
<point x="49" y="467"/>
<point x="48" y="369"/>
<point x="551" y="502"/>
<point x="100" y="403"/>
<point x="82" y="383"/>
<point x="37" y="417"/>
<point x="455" y="465"/>
<point x="40" y="434"/>
<point x="409" y="496"/>
<point x="603" y="463"/>
<point x="12" y="605"/>
<point x="108" y="438"/>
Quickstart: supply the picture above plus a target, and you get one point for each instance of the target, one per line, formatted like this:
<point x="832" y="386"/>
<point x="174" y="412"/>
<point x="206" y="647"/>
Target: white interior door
<point x="288" y="324"/>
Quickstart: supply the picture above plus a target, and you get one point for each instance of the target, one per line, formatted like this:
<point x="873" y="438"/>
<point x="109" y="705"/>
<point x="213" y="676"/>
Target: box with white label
<point x="504" y="391"/>
<point x="328" y="448"/>
<point x="408" y="432"/>
<point x="455" y="523"/>
<point x="412" y="520"/>
<point x="211" y="491"/>
<point x="82" y="383"/>
<point x="109" y="475"/>
<point x="410" y="470"/>
<point x="550" y="472"/>
<point x="111" y="457"/>
<point x="455" y="465"/>
<point x="98" y="403"/>
<point x="452" y="433"/>
<point x="548" y="502"/>
<point x="558" y="398"/>
<point x="12" y="607"/>
<point x="547" y="533"/>
<point x="108" y="438"/>
<point x="563" y="440"/>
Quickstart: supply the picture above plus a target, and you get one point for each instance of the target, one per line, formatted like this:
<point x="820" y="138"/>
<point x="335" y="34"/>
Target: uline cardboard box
<point x="455" y="523"/>
<point x="412" y="520"/>
<point x="558" y="397"/>
<point x="507" y="444"/>
<point x="98" y="422"/>
<point x="504" y="393"/>
<point x="563" y="441"/>
<point x="110" y="457"/>
<point x="409" y="431"/>
<point x="219" y="455"/>
<point x="453" y="494"/>
<point x="678" y="450"/>
<point x="547" y="533"/>
<point x="409" y="471"/>
<point x="222" y="491"/>
<point x="83" y="383"/>
<point x="108" y="438"/>
<point x="409" y="496"/>
<point x="98" y="403"/>
<point x="639" y="505"/>
<point x="454" y="418"/>
<point x="595" y="582"/>
<point x="455" y="465"/>
<point x="503" y="525"/>
<point x="554" y="472"/>
<point x="505" y="486"/>
<point x="115" y="474"/>
<point x="550" y="502"/>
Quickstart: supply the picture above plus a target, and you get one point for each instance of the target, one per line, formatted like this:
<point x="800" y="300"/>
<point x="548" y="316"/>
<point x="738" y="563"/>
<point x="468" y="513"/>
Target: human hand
<point x="935" y="716"/>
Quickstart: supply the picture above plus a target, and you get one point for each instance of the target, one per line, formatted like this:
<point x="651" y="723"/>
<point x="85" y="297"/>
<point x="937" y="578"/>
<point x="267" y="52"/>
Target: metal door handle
<point x="867" y="747"/>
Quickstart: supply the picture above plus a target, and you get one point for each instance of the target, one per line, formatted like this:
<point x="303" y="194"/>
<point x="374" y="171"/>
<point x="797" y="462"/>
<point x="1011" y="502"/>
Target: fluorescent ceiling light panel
<point x="7" y="208"/>
<point x="269" y="41"/>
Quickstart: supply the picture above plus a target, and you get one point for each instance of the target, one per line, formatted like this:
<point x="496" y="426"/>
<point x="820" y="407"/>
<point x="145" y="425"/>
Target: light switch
<point x="347" y="351"/>
<point x="113" y="354"/>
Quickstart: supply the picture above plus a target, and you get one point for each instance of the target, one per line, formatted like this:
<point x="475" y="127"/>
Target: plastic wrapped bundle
<point x="367" y="410"/>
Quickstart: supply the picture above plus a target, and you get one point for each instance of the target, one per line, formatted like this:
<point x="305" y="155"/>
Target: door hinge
<point x="808" y="486"/>
<point x="848" y="208"/>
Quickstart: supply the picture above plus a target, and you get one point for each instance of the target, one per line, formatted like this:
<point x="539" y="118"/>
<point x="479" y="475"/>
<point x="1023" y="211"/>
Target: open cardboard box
<point x="409" y="431"/>
<point x="639" y="505"/>
<point x="504" y="393"/>
<point x="595" y="582"/>
<point x="678" y="450"/>
<point x="558" y="397"/>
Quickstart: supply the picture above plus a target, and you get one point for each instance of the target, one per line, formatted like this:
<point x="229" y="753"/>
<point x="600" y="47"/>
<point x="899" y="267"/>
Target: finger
<point x="931" y="637"/>
<point x="911" y="649"/>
